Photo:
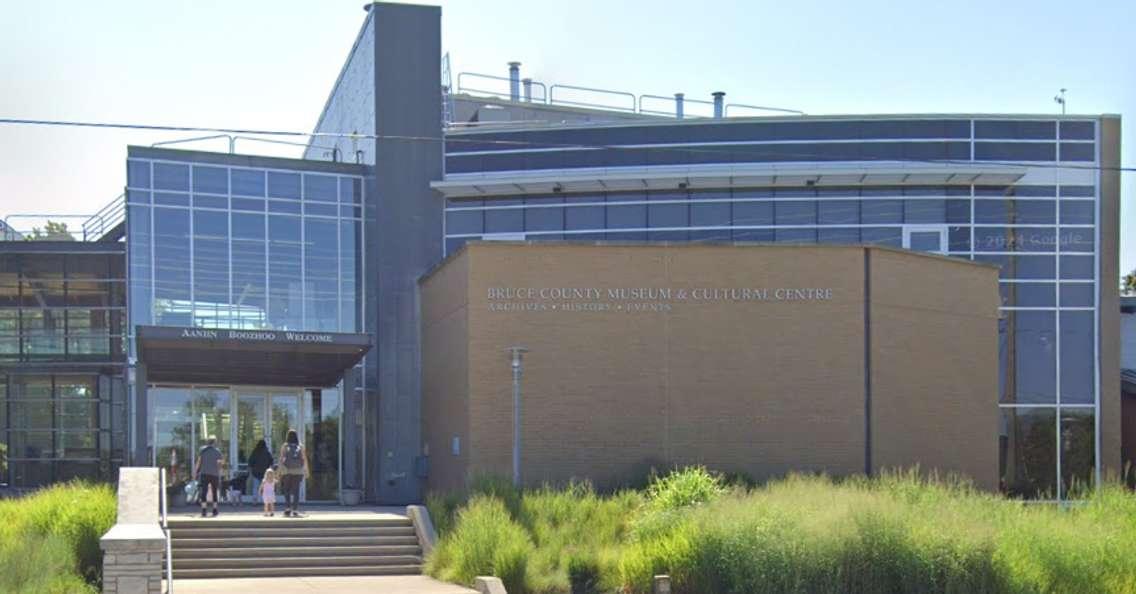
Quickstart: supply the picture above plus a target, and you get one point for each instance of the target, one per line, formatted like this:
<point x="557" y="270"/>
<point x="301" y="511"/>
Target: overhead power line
<point x="520" y="143"/>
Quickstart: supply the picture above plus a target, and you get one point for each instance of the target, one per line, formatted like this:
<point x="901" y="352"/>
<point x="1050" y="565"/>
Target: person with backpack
<point x="208" y="471"/>
<point x="294" y="469"/>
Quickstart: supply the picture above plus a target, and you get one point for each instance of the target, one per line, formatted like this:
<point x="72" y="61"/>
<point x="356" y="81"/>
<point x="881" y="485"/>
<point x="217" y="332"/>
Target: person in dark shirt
<point x="259" y="461"/>
<point x="208" y="467"/>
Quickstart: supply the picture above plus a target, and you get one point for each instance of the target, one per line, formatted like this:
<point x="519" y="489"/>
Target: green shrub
<point x="683" y="488"/>
<point x="584" y="573"/>
<point x="485" y="541"/>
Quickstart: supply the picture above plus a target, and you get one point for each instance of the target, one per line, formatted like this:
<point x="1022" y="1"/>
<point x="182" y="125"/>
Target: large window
<point x="237" y="247"/>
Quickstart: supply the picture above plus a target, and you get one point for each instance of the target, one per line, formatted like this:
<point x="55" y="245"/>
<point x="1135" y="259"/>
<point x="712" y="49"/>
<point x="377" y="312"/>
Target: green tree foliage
<point x="52" y="231"/>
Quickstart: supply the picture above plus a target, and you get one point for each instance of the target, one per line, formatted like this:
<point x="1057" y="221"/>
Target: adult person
<point x="259" y="461"/>
<point x="208" y="468"/>
<point x="294" y="468"/>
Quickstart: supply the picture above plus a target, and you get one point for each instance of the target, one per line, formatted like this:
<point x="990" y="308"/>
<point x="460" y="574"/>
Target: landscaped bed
<point x="49" y="541"/>
<point x="806" y="534"/>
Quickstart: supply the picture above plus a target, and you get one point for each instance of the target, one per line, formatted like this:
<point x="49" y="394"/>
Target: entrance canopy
<point x="254" y="357"/>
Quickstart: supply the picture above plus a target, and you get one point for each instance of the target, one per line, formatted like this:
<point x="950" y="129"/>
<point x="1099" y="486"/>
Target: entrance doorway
<point x="266" y="415"/>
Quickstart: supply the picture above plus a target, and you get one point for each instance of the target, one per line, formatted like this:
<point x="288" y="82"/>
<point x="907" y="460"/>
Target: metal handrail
<point x="744" y="106"/>
<point x="671" y="100"/>
<point x="107" y="218"/>
<point x="163" y="497"/>
<point x="462" y="88"/>
<point x="552" y="99"/>
<point x="232" y="141"/>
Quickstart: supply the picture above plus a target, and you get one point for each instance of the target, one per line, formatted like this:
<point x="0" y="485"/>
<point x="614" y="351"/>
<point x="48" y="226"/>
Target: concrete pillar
<point x="661" y="585"/>
<point x="133" y="548"/>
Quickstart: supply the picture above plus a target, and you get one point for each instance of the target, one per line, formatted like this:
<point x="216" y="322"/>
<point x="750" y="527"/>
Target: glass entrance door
<point x="263" y="415"/>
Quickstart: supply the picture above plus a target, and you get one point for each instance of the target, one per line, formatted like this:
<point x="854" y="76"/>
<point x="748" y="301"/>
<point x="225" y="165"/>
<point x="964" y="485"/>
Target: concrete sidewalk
<point x="394" y="584"/>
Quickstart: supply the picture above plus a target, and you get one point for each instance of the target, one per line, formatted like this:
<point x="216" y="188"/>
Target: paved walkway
<point x="395" y="584"/>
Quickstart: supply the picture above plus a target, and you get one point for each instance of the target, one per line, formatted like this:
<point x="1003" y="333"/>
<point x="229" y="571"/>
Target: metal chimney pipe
<point x="527" y="84"/>
<point x="678" y="106"/>
<point x="719" y="98"/>
<point x="514" y="81"/>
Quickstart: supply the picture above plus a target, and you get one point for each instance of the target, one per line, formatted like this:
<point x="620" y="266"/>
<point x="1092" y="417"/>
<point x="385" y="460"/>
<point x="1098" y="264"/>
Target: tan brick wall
<point x="1110" y="414"/>
<point x="445" y="377"/>
<point x="760" y="387"/>
<point x="934" y="327"/>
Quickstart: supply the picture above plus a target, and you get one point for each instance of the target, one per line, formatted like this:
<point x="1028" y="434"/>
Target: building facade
<point x="315" y="262"/>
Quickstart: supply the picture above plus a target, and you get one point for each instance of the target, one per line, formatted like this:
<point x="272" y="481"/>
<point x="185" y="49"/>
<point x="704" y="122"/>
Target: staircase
<point x="278" y="547"/>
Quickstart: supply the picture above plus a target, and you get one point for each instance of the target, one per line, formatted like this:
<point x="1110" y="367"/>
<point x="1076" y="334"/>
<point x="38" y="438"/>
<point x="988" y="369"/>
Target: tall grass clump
<point x="484" y="541"/>
<point x="49" y="541"/>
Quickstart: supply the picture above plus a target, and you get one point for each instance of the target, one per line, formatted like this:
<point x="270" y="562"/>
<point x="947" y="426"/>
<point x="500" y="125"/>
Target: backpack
<point x="292" y="458"/>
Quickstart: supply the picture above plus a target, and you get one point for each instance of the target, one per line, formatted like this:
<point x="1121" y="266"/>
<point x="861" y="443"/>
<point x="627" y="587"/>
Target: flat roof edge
<point x="243" y="160"/>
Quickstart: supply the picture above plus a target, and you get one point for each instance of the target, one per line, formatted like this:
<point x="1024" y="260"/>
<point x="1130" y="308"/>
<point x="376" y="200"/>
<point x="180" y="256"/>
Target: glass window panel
<point x="583" y="218"/>
<point x="626" y="196"/>
<point x="544" y="219"/>
<point x="322" y="413"/>
<point x="925" y="210"/>
<point x="632" y="216"/>
<point x="1033" y="361"/>
<point x="1024" y="129"/>
<point x="710" y="214"/>
<point x="839" y="235"/>
<point x="248" y="226"/>
<point x="1015" y="239"/>
<point x="753" y="213"/>
<point x="1077" y="356"/>
<point x="137" y="197"/>
<point x="1078" y="151"/>
<point x="171" y="199"/>
<point x="1078" y="452"/>
<point x="958" y="239"/>
<point x="284" y="207"/>
<point x="200" y="201"/>
<point x="283" y="185"/>
<point x="795" y="236"/>
<point x="323" y="188"/>
<point x="211" y="269"/>
<point x="248" y="182"/>
<point x="885" y="236"/>
<point x="1033" y="212"/>
<point x="138" y="251"/>
<point x="34" y="445"/>
<point x="171" y="176"/>
<point x="326" y="210"/>
<point x="875" y="212"/>
<point x="1077" y="212"/>
<point x="668" y="215"/>
<point x="137" y="175"/>
<point x="321" y="261"/>
<point x="925" y="241"/>
<point x="1078" y="191"/>
<point x="459" y="222"/>
<point x="211" y="180"/>
<point x="753" y="235"/>
<point x="171" y="266"/>
<point x="1077" y="267"/>
<point x="1033" y="190"/>
<point x="248" y="263"/>
<point x="453" y="244"/>
<point x="1029" y="294"/>
<point x="349" y="274"/>
<point x="284" y="282"/>
<point x="1015" y="151"/>
<point x="1028" y="452"/>
<point x="1077" y="295"/>
<point x="505" y="220"/>
<point x="795" y="212"/>
<point x="674" y="236"/>
<point x="1076" y="239"/>
<point x="78" y="444"/>
<point x="1077" y="130"/>
<point x="712" y="235"/>
<point x="838" y="212"/>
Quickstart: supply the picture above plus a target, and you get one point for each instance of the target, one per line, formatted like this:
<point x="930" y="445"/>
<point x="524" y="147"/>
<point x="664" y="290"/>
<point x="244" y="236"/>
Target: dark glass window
<point x="885" y="236"/>
<point x="171" y="256"/>
<point x="924" y="211"/>
<point x="326" y="210"/>
<point x="248" y="226"/>
<point x="1078" y="191"/>
<point x="1002" y="212"/>
<point x="460" y="222"/>
<point x="631" y="216"/>
<point x="321" y="188"/>
<point x="795" y="212"/>
<point x="838" y="235"/>
<point x="137" y="175"/>
<point x="877" y="212"/>
<point x="1077" y="212"/>
<point x="958" y="239"/>
<point x="753" y="213"/>
<point x="284" y="185"/>
<point x="1077" y="131"/>
<point x="1035" y="356"/>
<point x="505" y="220"/>
<point x="795" y="236"/>
<point x="1015" y="151"/>
<point x="254" y="204"/>
<point x="169" y="176"/>
<point x="248" y="182"/>
<point x="1014" y="239"/>
<point x="580" y="218"/>
<point x="453" y="244"/>
<point x="958" y="211"/>
<point x="211" y="180"/>
<point x="710" y="214"/>
<point x="1077" y="295"/>
<point x="137" y="197"/>
<point x="1078" y="151"/>
<point x="1022" y="267"/>
<point x="1028" y="452"/>
<point x="284" y="207"/>
<point x="1077" y="267"/>
<point x="1076" y="239"/>
<point x="1033" y="191"/>
<point x="668" y="215"/>
<point x="626" y="197"/>
<point x="753" y="235"/>
<point x="1077" y="355"/>
<point x="839" y="212"/>
<point x="1028" y="294"/>
<point x="544" y="219"/>
<point x="211" y="263"/>
<point x="1078" y="451"/>
<point x="171" y="199"/>
<point x="206" y="201"/>
<point x="1033" y="130"/>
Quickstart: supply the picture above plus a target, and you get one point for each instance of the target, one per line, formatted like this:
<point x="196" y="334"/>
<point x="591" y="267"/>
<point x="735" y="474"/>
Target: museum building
<point x="857" y="292"/>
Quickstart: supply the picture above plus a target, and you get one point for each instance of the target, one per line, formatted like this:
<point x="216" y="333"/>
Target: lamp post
<point x="516" y="353"/>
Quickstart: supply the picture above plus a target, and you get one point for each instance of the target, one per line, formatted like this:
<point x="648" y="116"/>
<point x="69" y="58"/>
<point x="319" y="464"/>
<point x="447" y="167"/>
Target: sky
<point x="271" y="64"/>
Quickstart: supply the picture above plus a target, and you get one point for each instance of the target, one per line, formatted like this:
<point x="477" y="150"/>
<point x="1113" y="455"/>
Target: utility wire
<point x="530" y="143"/>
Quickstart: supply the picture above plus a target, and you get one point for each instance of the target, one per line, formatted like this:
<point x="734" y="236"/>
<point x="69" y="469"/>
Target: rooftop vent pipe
<point x="527" y="84"/>
<point x="515" y="81"/>
<point x="678" y="106"/>
<point x="719" y="98"/>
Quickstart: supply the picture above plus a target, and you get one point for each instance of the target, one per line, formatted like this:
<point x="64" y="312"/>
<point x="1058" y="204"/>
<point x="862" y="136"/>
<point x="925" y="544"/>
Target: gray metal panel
<point x="407" y="236"/>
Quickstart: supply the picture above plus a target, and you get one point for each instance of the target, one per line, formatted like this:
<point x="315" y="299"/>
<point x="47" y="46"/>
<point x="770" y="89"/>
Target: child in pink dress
<point x="268" y="492"/>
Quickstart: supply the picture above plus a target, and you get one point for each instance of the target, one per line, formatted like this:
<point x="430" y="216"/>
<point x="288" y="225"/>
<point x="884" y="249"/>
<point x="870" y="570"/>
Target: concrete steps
<point x="294" y="547"/>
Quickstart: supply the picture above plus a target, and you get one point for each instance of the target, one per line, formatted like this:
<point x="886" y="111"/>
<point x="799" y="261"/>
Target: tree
<point x="52" y="231"/>
<point x="1128" y="283"/>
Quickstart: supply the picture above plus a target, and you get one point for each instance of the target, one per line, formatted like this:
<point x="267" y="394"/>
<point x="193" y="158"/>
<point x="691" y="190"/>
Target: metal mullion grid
<point x="1057" y="314"/>
<point x="339" y="256"/>
<point x="303" y="259"/>
<point x="267" y="292"/>
<point x="229" y="242"/>
<point x="1096" y="314"/>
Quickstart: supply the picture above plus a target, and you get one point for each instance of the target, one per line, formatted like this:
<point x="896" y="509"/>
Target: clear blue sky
<point x="270" y="64"/>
